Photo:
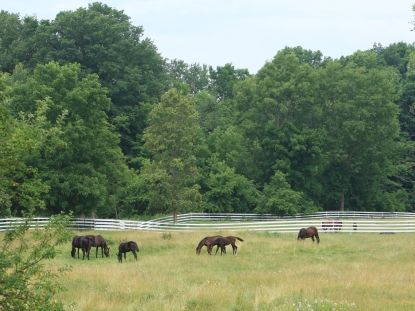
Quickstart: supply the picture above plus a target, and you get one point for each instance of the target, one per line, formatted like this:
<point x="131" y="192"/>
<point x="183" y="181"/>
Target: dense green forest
<point x="95" y="121"/>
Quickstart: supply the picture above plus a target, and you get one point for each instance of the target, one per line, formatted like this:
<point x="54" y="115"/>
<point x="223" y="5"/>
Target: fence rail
<point x="325" y="221"/>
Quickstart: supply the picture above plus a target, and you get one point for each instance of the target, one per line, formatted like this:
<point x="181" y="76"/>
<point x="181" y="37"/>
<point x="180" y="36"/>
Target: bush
<point x="25" y="283"/>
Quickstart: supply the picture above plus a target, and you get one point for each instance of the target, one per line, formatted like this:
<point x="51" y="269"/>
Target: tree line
<point x="95" y="121"/>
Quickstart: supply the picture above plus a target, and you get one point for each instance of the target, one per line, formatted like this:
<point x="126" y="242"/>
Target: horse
<point x="206" y="241"/>
<point x="86" y="243"/>
<point x="310" y="232"/>
<point x="99" y="241"/>
<point x="125" y="247"/>
<point x="222" y="242"/>
<point x="76" y="243"/>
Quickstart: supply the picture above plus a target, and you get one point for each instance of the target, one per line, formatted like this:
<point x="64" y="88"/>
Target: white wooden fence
<point x="325" y="221"/>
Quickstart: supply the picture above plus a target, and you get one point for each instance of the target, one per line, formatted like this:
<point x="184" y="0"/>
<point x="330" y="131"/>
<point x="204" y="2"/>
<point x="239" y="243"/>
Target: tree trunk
<point x="342" y="202"/>
<point x="174" y="216"/>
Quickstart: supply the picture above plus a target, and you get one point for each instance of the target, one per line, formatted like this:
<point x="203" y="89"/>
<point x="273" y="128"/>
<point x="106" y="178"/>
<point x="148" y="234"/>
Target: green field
<point x="270" y="272"/>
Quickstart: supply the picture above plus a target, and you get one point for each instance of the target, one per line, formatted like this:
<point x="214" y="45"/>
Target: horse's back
<point x="206" y="241"/>
<point x="312" y="229"/>
<point x="133" y="245"/>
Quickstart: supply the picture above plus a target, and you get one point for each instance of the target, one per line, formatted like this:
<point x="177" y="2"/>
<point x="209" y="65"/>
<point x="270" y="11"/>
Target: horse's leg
<point x="217" y="248"/>
<point x="318" y="239"/>
<point x="234" y="248"/>
<point x="125" y="256"/>
<point x="78" y="252"/>
<point x="312" y="237"/>
<point x="96" y="252"/>
<point x="135" y="255"/>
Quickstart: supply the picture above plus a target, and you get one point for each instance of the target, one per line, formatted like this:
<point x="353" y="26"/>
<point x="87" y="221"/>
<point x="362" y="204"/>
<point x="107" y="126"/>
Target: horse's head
<point x="199" y="246"/>
<point x="106" y="251"/>
<point x="302" y="234"/>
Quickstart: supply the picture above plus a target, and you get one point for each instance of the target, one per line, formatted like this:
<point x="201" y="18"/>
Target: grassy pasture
<point x="270" y="272"/>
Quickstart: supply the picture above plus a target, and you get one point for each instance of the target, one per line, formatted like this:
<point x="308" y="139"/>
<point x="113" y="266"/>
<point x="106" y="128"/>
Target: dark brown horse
<point x="99" y="241"/>
<point x="86" y="244"/>
<point x="206" y="241"/>
<point x="125" y="247"/>
<point x="309" y="232"/>
<point x="221" y="243"/>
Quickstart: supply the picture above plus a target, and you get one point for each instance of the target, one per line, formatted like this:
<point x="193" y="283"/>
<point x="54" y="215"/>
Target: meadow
<point x="270" y="272"/>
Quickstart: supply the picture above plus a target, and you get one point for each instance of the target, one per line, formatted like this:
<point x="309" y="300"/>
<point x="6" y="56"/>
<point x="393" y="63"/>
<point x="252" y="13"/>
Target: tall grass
<point x="270" y="272"/>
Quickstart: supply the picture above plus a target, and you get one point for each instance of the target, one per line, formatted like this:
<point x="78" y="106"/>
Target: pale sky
<point x="247" y="33"/>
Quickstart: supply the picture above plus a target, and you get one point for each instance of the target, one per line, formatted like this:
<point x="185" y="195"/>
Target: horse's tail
<point x="238" y="238"/>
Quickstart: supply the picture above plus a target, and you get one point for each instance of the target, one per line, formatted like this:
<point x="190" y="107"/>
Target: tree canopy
<point x="95" y="121"/>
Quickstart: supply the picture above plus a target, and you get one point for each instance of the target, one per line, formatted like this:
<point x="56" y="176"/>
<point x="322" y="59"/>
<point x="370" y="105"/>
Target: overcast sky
<point x="247" y="33"/>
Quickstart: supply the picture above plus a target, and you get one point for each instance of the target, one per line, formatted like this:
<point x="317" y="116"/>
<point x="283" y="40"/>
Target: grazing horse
<point x="86" y="243"/>
<point x="219" y="242"/>
<point x="76" y="244"/>
<point x="222" y="242"/>
<point x="125" y="247"/>
<point x="99" y="241"/>
<point x="310" y="232"/>
<point x="206" y="241"/>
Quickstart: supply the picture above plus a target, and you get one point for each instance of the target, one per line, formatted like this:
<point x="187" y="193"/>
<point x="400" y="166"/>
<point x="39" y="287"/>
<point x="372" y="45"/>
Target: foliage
<point x="79" y="159"/>
<point x="103" y="41"/>
<point x="279" y="199"/>
<point x="171" y="139"/>
<point x="363" y="130"/>
<point x="227" y="191"/>
<point x="25" y="282"/>
<point x="21" y="186"/>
